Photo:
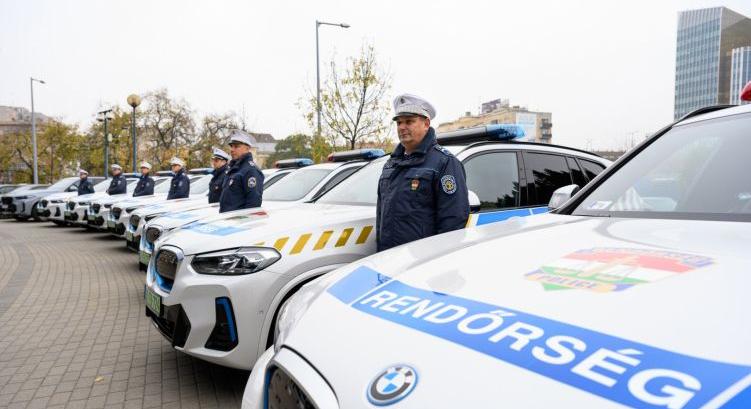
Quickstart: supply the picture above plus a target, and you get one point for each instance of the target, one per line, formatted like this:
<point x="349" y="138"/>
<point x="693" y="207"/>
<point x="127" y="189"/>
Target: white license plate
<point x="91" y="217"/>
<point x="153" y="301"/>
<point x="128" y="235"/>
<point x="66" y="213"/>
<point x="144" y="257"/>
<point x="111" y="224"/>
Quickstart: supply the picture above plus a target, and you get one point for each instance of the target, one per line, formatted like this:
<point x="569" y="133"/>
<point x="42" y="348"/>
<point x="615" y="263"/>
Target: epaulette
<point x="443" y="150"/>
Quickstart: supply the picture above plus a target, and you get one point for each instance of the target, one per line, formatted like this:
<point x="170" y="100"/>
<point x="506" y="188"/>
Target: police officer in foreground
<point x="118" y="184"/>
<point x="145" y="185"/>
<point x="422" y="190"/>
<point x="219" y="160"/>
<point x="180" y="187"/>
<point x="85" y="186"/>
<point x="243" y="183"/>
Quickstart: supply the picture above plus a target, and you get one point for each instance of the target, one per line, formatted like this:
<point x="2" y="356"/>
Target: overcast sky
<point x="603" y="68"/>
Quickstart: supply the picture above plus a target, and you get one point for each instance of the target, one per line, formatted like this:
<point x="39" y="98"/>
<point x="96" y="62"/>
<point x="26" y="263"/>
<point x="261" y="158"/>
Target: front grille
<point x="166" y="266"/>
<point x="283" y="392"/>
<point x="152" y="234"/>
<point x="95" y="207"/>
<point x="173" y="324"/>
<point x="71" y="205"/>
<point x="7" y="200"/>
<point x="134" y="220"/>
<point x="116" y="212"/>
<point x="57" y="212"/>
<point x="119" y="229"/>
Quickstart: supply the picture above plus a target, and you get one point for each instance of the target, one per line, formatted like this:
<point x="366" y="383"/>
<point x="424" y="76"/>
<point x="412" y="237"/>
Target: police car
<point x="25" y="203"/>
<point x="99" y="209"/>
<point x="55" y="202"/>
<point x="634" y="293"/>
<point x="7" y="207"/>
<point x="302" y="186"/>
<point x="214" y="286"/>
<point x="77" y="208"/>
<point x="56" y="206"/>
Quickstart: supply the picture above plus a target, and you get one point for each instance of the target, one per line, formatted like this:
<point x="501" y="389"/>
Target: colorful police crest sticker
<point x="448" y="183"/>
<point x="252" y="182"/>
<point x="415" y="184"/>
<point x="603" y="270"/>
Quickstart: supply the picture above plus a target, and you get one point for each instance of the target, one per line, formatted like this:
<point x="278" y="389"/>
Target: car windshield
<point x="62" y="184"/>
<point x="199" y="184"/>
<point x="162" y="185"/>
<point x="296" y="185"/>
<point x="694" y="171"/>
<point x="359" y="189"/>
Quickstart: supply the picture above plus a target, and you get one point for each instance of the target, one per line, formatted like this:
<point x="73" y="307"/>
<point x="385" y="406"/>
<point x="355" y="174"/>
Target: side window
<point x="336" y="179"/>
<point x="576" y="173"/>
<point x="592" y="169"/>
<point x="494" y="177"/>
<point x="548" y="172"/>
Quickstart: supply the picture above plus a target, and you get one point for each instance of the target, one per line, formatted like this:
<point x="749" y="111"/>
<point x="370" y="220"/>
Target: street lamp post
<point x="105" y="116"/>
<point x="34" y="128"/>
<point x="318" y="69"/>
<point x="134" y="101"/>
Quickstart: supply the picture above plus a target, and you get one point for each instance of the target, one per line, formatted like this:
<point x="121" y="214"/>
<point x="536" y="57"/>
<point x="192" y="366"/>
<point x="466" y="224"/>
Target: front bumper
<point x="225" y="313"/>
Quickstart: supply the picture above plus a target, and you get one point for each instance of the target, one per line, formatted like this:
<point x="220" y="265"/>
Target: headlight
<point x="240" y="261"/>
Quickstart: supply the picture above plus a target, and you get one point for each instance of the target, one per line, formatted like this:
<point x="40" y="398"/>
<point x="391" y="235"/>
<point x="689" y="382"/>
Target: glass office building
<point x="740" y="73"/>
<point x="705" y="43"/>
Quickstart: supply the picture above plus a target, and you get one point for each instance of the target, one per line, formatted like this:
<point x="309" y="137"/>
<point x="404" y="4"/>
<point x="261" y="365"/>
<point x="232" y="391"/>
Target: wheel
<point x="35" y="213"/>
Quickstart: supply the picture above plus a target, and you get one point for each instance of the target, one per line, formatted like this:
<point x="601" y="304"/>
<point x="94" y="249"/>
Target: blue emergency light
<point x="356" y="154"/>
<point x="293" y="163"/>
<point x="494" y="132"/>
<point x="201" y="171"/>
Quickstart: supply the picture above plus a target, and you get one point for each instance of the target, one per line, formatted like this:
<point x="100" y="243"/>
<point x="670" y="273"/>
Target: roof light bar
<point x="494" y="132"/>
<point x="356" y="154"/>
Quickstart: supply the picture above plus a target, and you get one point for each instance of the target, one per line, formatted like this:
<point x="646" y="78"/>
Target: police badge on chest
<point x="415" y="184"/>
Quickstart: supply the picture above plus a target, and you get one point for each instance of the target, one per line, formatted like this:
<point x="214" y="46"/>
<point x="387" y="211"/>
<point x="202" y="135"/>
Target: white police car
<point x="633" y="294"/>
<point x="7" y="206"/>
<point x="303" y="186"/>
<point x="77" y="208"/>
<point x="214" y="286"/>
<point x="55" y="202"/>
<point x="100" y="208"/>
<point x="26" y="203"/>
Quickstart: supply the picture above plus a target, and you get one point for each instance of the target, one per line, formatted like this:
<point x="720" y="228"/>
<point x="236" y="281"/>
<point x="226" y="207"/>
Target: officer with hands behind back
<point x="84" y="184"/>
<point x="180" y="184"/>
<point x="422" y="190"/>
<point x="118" y="185"/>
<point x="145" y="185"/>
<point x="219" y="160"/>
<point x="243" y="183"/>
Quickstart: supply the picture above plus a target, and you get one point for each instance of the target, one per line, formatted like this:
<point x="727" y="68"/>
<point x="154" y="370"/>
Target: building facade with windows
<point x="538" y="126"/>
<point x="706" y="39"/>
<point x="740" y="73"/>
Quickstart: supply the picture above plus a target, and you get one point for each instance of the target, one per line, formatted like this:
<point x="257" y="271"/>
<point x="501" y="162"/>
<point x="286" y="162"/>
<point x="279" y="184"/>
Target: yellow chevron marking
<point x="321" y="243"/>
<point x="300" y="243"/>
<point x="279" y="244"/>
<point x="363" y="237"/>
<point x="344" y="237"/>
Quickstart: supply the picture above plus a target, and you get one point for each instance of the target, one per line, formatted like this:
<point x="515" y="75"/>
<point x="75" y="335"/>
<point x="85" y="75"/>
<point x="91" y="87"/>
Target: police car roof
<point x="293" y="163"/>
<point x="131" y="175"/>
<point x="356" y="154"/>
<point x="714" y="111"/>
<point x="200" y="171"/>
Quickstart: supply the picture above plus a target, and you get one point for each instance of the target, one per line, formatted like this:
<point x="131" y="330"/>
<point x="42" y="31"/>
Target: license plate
<point x="144" y="257"/>
<point x="66" y="213"/>
<point x="91" y="217"/>
<point x="128" y="235"/>
<point x="153" y="301"/>
<point x="110" y="224"/>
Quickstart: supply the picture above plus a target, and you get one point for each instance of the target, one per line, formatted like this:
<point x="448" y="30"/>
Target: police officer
<point x="180" y="187"/>
<point x="118" y="184"/>
<point x="85" y="186"/>
<point x="243" y="183"/>
<point x="145" y="185"/>
<point x="422" y="190"/>
<point x="219" y="162"/>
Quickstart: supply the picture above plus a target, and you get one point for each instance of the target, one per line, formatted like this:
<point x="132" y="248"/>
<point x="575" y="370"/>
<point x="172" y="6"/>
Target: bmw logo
<point x="392" y="385"/>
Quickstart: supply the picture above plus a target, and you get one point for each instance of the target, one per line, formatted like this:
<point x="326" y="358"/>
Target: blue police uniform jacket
<point x="85" y="187"/>
<point x="243" y="185"/>
<point x="118" y="185"/>
<point x="180" y="187"/>
<point x="420" y="194"/>
<point x="216" y="183"/>
<point x="144" y="187"/>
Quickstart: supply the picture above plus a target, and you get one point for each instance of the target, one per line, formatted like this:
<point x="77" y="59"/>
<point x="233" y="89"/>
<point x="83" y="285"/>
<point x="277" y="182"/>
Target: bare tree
<point x="167" y="126"/>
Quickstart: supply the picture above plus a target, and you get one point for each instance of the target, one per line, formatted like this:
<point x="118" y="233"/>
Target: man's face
<point x="176" y="168"/>
<point x="217" y="163"/>
<point x="82" y="175"/>
<point x="144" y="171"/>
<point x="237" y="150"/>
<point x="412" y="129"/>
<point x="116" y="172"/>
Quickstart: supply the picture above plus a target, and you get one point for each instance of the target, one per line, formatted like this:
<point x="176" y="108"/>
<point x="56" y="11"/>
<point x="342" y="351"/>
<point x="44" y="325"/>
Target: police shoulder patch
<point x="252" y="182"/>
<point x="448" y="183"/>
<point x="443" y="150"/>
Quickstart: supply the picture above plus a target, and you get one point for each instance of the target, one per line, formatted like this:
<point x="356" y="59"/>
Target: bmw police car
<point x="634" y="293"/>
<point x="99" y="209"/>
<point x="55" y="201"/>
<point x="214" y="286"/>
<point x="78" y="207"/>
<point x="56" y="206"/>
<point x="8" y="209"/>
<point x="26" y="203"/>
<point x="302" y="186"/>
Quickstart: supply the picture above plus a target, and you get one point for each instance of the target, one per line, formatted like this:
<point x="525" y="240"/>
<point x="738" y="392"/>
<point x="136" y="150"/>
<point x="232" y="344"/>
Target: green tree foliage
<point x="293" y="146"/>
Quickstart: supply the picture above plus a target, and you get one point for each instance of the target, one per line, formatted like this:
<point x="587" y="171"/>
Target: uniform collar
<point x="220" y="170"/>
<point x="247" y="157"/>
<point x="422" y="148"/>
<point x="180" y="172"/>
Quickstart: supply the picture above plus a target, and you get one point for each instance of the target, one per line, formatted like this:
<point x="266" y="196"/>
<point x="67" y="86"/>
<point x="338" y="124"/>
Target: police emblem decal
<point x="449" y="184"/>
<point x="252" y="182"/>
<point x="392" y="385"/>
<point x="415" y="184"/>
<point x="230" y="181"/>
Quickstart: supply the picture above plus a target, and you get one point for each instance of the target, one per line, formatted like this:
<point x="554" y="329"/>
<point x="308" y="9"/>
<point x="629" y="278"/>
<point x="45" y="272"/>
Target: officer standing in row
<point x="118" y="185"/>
<point x="85" y="186"/>
<point x="219" y="160"/>
<point x="422" y="190"/>
<point x="243" y="183"/>
<point x="180" y="187"/>
<point x="145" y="185"/>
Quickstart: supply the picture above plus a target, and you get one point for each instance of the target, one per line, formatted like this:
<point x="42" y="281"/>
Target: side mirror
<point x="474" y="202"/>
<point x="562" y="195"/>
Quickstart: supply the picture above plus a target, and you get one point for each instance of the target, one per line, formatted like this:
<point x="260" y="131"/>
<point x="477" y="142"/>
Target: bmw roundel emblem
<point x="392" y="385"/>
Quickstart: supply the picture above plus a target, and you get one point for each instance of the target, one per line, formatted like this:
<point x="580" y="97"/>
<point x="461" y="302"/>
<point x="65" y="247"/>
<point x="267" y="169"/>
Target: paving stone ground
<point x="73" y="333"/>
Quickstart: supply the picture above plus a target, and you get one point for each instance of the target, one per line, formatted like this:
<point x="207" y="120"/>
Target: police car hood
<point x="60" y="196"/>
<point x="108" y="199"/>
<point x="140" y="200"/>
<point x="175" y="205"/>
<point x="544" y="311"/>
<point x="92" y="197"/>
<point x="251" y="226"/>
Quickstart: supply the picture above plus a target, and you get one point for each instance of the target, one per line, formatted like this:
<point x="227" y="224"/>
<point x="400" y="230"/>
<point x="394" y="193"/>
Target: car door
<point x="547" y="172"/>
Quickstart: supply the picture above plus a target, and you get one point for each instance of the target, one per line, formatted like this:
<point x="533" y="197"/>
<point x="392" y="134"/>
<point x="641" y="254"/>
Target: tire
<point x="35" y="213"/>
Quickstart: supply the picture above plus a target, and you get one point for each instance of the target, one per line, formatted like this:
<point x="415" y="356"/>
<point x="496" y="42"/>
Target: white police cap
<point x="176" y="161"/>
<point x="82" y="172"/>
<point x="146" y="165"/>
<point x="220" y="154"/>
<point x="116" y="166"/>
<point x="408" y="104"/>
<point x="239" y="136"/>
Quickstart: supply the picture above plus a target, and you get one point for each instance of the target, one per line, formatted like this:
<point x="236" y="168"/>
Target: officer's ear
<point x="426" y="121"/>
